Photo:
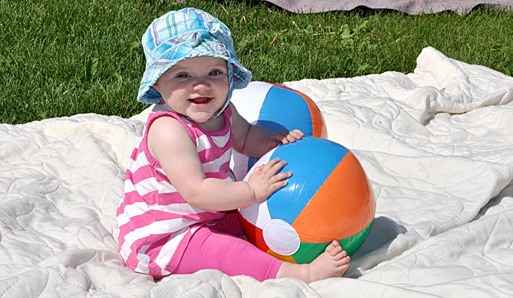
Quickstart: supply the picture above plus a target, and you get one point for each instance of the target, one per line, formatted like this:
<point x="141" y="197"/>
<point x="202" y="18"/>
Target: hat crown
<point x="186" y="25"/>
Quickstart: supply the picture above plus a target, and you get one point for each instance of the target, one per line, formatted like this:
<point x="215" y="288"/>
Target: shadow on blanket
<point x="384" y="230"/>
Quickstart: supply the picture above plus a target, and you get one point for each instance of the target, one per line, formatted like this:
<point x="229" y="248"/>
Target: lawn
<point x="59" y="58"/>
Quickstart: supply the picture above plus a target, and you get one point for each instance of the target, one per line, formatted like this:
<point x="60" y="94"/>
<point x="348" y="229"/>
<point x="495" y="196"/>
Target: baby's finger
<point x="268" y="165"/>
<point x="273" y="162"/>
<point x="277" y="185"/>
<point x="276" y="166"/>
<point x="298" y="134"/>
<point x="282" y="176"/>
<point x="292" y="136"/>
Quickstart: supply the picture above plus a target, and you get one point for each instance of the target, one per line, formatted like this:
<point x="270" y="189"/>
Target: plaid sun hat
<point x="182" y="34"/>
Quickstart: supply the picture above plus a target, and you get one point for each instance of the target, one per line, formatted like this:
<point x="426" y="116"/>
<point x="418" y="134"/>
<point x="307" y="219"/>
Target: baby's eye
<point x="182" y="76"/>
<point x="215" y="72"/>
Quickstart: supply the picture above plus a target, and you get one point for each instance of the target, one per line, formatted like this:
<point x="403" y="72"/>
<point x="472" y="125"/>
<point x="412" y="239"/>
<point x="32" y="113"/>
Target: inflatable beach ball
<point x="275" y="107"/>
<point x="327" y="198"/>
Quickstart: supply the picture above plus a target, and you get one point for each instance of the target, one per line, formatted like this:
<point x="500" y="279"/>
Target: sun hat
<point x="182" y="34"/>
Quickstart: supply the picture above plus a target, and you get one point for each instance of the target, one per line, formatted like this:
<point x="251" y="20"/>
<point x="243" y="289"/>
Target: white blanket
<point x="437" y="145"/>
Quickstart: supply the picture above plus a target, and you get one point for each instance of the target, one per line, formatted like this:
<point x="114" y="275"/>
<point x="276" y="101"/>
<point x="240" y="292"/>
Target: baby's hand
<point x="286" y="137"/>
<point x="265" y="179"/>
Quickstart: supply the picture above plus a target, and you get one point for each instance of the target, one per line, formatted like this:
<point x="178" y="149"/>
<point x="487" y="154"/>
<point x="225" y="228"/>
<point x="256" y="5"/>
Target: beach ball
<point x="328" y="197"/>
<point x="275" y="107"/>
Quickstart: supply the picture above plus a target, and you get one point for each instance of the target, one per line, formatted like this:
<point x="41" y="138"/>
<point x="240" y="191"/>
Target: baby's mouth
<point x="200" y="100"/>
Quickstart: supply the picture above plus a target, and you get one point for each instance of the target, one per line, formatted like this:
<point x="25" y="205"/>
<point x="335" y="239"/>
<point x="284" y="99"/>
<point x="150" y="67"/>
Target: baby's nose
<point x="202" y="82"/>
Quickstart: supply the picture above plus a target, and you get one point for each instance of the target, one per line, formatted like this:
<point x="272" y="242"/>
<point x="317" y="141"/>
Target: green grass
<point x="59" y="58"/>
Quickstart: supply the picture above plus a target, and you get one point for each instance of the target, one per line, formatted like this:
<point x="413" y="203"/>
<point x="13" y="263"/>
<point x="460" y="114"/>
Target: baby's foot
<point x="333" y="262"/>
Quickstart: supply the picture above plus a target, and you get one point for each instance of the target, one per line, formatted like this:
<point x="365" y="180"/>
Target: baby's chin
<point x="208" y="121"/>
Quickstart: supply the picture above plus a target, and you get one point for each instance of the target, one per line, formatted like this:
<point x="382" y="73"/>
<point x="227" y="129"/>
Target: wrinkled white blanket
<point x="437" y="145"/>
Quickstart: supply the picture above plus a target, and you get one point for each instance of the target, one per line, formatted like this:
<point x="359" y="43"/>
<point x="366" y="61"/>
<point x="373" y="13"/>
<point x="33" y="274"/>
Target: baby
<point x="178" y="214"/>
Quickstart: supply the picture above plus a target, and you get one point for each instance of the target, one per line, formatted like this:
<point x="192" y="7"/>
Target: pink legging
<point x="220" y="247"/>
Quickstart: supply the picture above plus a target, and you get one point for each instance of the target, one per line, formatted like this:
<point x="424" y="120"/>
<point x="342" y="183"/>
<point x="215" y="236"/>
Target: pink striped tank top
<point x="155" y="223"/>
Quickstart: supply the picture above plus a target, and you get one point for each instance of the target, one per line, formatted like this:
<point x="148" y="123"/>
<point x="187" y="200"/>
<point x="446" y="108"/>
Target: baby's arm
<point x="171" y="145"/>
<point x="256" y="140"/>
